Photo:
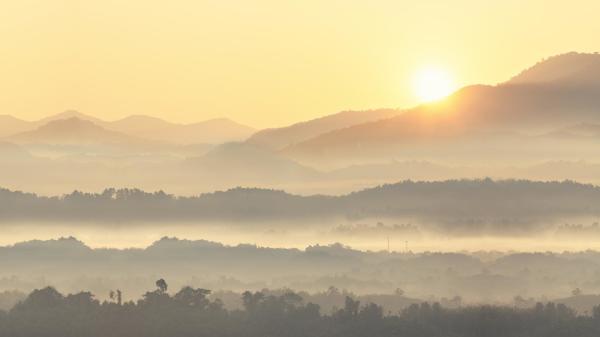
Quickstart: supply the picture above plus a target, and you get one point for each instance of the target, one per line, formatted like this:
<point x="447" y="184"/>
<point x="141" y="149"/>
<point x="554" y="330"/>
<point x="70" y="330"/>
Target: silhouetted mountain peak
<point x="71" y="130"/>
<point x="69" y="114"/>
<point x="69" y="124"/>
<point x="569" y="68"/>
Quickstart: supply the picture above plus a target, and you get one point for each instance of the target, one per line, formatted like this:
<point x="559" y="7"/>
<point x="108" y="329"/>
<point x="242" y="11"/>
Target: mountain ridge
<point x="474" y="206"/>
<point x="72" y="130"/>
<point x="213" y="131"/>
<point x="519" y="105"/>
<point x="570" y="68"/>
<point x="279" y="138"/>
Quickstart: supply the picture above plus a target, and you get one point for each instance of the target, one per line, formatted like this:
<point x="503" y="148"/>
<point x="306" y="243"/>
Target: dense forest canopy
<point x="71" y="266"/>
<point x="484" y="202"/>
<point x="189" y="312"/>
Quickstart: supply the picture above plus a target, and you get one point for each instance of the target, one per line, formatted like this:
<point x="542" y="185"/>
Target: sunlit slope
<point x="571" y="68"/>
<point x="528" y="104"/>
<point x="278" y="138"/>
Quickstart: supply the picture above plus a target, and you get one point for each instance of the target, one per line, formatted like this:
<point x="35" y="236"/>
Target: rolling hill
<point x="279" y="138"/>
<point x="453" y="206"/>
<point x="247" y="163"/>
<point x="528" y="103"/>
<point x="10" y="125"/>
<point x="571" y="68"/>
<point x="68" y="114"/>
<point x="214" y="131"/>
<point x="72" y="131"/>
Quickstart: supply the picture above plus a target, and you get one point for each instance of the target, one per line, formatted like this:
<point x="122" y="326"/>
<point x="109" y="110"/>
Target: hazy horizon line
<point x="78" y="114"/>
<point x="259" y="188"/>
<point x="337" y="245"/>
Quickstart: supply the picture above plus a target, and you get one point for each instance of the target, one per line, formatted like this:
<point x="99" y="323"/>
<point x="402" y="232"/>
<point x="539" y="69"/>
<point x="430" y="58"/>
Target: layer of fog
<point x="190" y="170"/>
<point x="442" y="274"/>
<point x="367" y="234"/>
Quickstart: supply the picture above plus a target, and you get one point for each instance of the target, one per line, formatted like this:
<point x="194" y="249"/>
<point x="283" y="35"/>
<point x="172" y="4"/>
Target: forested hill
<point x="487" y="201"/>
<point x="189" y="312"/>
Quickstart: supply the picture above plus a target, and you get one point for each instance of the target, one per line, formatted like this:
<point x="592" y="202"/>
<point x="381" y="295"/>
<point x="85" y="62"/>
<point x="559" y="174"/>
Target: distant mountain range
<point x="72" y="131"/>
<point x="543" y="123"/>
<point x="453" y="206"/>
<point x="243" y="162"/>
<point x="213" y="131"/>
<point x="559" y="92"/>
<point x="332" y="270"/>
<point x="280" y="138"/>
<point x="566" y="69"/>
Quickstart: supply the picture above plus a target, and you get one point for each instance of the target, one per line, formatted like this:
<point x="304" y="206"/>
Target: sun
<point x="432" y="84"/>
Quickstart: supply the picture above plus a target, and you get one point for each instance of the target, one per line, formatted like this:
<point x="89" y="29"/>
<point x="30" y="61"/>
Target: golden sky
<point x="266" y="62"/>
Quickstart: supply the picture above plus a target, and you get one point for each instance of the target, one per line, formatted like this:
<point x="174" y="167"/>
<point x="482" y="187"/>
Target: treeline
<point x="467" y="201"/>
<point x="189" y="312"/>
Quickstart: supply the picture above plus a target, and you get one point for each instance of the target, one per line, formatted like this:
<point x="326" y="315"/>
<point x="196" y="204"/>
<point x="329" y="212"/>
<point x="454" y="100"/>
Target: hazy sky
<point x="266" y="62"/>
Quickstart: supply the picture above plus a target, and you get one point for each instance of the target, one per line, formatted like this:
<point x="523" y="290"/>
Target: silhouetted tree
<point x="162" y="285"/>
<point x="190" y="313"/>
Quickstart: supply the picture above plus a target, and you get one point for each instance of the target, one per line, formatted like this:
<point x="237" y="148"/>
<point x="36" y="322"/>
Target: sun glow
<point x="432" y="84"/>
